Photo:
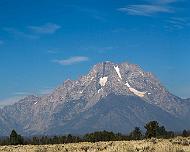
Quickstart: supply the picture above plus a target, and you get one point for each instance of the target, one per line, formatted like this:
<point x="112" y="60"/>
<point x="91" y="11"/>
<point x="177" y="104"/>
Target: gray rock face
<point x="111" y="96"/>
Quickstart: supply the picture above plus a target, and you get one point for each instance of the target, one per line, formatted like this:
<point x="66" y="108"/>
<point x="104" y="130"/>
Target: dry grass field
<point x="178" y="144"/>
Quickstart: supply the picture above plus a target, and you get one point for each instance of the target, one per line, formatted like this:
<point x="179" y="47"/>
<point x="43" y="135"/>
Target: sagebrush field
<point x="177" y="144"/>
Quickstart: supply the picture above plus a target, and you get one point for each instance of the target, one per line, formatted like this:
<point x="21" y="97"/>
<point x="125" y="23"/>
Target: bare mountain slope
<point x="111" y="96"/>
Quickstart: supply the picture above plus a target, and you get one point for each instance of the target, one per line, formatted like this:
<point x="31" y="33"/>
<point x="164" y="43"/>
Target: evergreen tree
<point x="35" y="141"/>
<point x="161" y="132"/>
<point x="170" y="134"/>
<point x="185" y="133"/>
<point x="20" y="140"/>
<point x="136" y="134"/>
<point x="15" y="139"/>
<point x="151" y="129"/>
<point x="55" y="140"/>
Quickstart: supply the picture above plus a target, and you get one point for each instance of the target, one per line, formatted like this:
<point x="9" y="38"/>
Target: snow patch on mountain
<point x="91" y="78"/>
<point x="100" y="90"/>
<point x="127" y="84"/>
<point x="103" y="81"/>
<point x="118" y="71"/>
<point x="136" y="92"/>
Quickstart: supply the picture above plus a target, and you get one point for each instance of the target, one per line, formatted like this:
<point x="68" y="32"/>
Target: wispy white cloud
<point x="163" y="1"/>
<point x="51" y="51"/>
<point x="16" y="96"/>
<point x="72" y="60"/>
<point x="45" y="91"/>
<point x="17" y="33"/>
<point x="177" y="23"/>
<point x="10" y="101"/>
<point x="54" y="50"/>
<point x="48" y="28"/>
<point x="146" y="9"/>
<point x="22" y="93"/>
<point x="42" y="91"/>
<point x="33" y="32"/>
<point x="150" y="7"/>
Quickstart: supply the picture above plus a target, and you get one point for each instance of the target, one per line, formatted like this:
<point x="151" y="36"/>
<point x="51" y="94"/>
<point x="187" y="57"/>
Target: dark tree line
<point x="103" y="136"/>
<point x="153" y="129"/>
<point x="14" y="139"/>
<point x="53" y="140"/>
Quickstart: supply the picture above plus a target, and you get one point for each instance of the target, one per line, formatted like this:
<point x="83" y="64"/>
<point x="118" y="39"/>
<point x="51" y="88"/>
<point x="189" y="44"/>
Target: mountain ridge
<point x="76" y="100"/>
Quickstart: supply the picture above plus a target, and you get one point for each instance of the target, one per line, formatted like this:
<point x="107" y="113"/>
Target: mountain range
<point x="113" y="97"/>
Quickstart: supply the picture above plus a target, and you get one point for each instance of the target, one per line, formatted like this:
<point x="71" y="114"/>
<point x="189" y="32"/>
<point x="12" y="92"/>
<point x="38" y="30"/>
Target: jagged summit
<point x="101" y="100"/>
<point x="103" y="79"/>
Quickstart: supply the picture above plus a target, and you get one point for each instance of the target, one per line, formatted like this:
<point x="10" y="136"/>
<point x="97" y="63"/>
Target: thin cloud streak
<point x="150" y="8"/>
<point x="72" y="60"/>
<point x="162" y="1"/>
<point x="177" y="23"/>
<point x="10" y="101"/>
<point x="45" y="91"/>
<point x="51" y="52"/>
<point x="146" y="9"/>
<point x="22" y="93"/>
<point x="18" y="33"/>
<point x="33" y="32"/>
<point x="48" y="28"/>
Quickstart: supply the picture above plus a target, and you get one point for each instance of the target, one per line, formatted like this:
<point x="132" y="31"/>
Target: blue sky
<point x="42" y="43"/>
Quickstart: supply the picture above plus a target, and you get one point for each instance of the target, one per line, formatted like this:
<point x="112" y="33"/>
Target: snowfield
<point x="103" y="81"/>
<point x="118" y="71"/>
<point x="136" y="92"/>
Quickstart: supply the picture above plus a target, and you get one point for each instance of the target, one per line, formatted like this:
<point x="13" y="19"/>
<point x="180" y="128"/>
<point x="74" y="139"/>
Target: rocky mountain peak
<point x="108" y="93"/>
<point x="106" y="78"/>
